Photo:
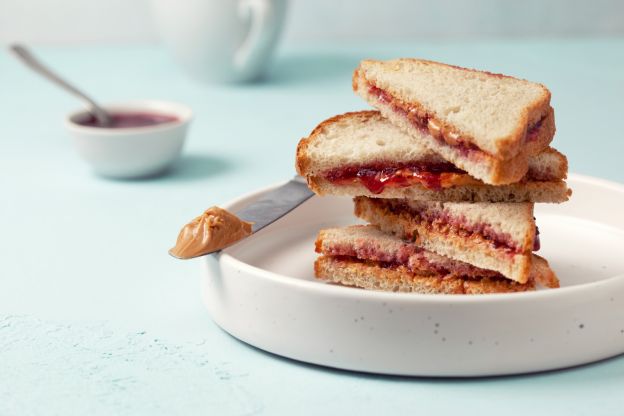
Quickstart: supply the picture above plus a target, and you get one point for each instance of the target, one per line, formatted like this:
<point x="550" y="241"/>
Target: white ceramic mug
<point x="221" y="40"/>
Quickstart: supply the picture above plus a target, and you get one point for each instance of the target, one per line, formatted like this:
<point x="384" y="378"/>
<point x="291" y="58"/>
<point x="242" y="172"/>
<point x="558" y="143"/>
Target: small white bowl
<point x="131" y="152"/>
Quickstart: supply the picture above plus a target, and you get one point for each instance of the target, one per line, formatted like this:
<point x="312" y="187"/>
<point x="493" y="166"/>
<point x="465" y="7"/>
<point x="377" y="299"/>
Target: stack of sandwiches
<point x="445" y="172"/>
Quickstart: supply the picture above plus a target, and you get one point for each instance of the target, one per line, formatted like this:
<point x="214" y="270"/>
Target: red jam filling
<point x="376" y="178"/>
<point x="536" y="241"/>
<point x="498" y="242"/>
<point x="532" y="132"/>
<point x="130" y="119"/>
<point x="410" y="256"/>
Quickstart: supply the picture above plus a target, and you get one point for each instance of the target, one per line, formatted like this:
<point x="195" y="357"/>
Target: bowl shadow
<point x="193" y="167"/>
<point x="186" y="168"/>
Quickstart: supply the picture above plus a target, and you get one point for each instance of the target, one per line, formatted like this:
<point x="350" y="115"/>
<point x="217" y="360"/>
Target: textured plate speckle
<point x="262" y="291"/>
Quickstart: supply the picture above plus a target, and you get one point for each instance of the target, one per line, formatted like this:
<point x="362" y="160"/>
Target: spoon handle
<point x="33" y="63"/>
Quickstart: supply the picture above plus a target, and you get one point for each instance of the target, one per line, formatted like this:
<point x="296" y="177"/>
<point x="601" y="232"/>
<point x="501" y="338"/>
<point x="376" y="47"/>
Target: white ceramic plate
<point x="263" y="292"/>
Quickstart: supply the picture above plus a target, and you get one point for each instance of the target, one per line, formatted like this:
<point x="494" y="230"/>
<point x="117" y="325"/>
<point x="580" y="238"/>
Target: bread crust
<point x="372" y="276"/>
<point x="302" y="160"/>
<point x="555" y="162"/>
<point x="543" y="274"/>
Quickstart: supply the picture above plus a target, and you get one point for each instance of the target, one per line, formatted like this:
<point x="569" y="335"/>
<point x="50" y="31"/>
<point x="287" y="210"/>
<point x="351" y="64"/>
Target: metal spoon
<point x="102" y="117"/>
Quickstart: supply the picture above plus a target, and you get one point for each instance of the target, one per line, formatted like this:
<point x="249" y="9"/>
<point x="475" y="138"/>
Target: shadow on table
<point x="191" y="167"/>
<point x="196" y="167"/>
<point x="309" y="69"/>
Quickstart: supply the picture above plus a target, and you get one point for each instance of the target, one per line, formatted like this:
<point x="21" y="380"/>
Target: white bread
<point x="358" y="138"/>
<point x="491" y="113"/>
<point x="365" y="138"/>
<point x="491" y="110"/>
<point x="497" y="237"/>
<point x="369" y="243"/>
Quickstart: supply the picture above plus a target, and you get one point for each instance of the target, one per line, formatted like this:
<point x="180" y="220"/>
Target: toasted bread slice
<point x="348" y="271"/>
<point x="362" y="153"/>
<point x="486" y="124"/>
<point x="374" y="276"/>
<point x="367" y="243"/>
<point x="497" y="237"/>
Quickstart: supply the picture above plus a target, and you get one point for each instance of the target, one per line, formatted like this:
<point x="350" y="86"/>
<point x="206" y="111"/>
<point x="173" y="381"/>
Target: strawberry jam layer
<point x="426" y="123"/>
<point x="414" y="258"/>
<point x="366" y="250"/>
<point x="536" y="241"/>
<point x="532" y="132"/>
<point x="377" y="177"/>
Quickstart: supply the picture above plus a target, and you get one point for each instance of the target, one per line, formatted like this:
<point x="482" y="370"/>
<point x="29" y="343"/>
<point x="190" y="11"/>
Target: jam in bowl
<point x="144" y="139"/>
<point x="125" y="120"/>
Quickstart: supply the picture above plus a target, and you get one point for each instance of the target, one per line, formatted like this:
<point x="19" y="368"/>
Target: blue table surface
<point x="96" y="319"/>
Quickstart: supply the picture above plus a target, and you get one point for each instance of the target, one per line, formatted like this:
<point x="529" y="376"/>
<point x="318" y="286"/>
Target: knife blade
<point x="274" y="204"/>
<point x="270" y="207"/>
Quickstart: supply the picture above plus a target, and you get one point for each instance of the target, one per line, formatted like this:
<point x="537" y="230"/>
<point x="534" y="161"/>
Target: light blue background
<point x="62" y="22"/>
<point x="95" y="318"/>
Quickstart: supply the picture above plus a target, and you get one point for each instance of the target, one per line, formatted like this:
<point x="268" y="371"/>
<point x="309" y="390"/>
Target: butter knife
<point x="272" y="206"/>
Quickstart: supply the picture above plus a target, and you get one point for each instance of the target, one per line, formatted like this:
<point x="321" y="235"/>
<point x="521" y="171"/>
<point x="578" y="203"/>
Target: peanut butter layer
<point x="214" y="230"/>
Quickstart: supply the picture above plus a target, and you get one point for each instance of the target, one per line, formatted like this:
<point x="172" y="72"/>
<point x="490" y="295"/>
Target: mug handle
<point x="263" y="16"/>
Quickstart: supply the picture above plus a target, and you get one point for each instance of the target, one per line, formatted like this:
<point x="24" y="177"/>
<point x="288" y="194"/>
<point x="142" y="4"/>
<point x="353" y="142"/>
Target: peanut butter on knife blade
<point x="214" y="230"/>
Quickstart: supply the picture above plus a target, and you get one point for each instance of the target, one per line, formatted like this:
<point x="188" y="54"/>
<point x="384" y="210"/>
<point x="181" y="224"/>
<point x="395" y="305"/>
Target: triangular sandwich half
<point x="486" y="124"/>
